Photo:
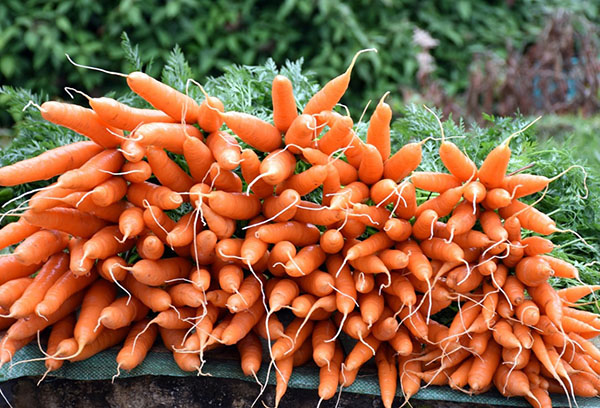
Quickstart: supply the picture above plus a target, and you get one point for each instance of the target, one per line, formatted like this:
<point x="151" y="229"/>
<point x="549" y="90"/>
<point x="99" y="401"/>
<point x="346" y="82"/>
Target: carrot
<point x="109" y="192"/>
<point x="249" y="292"/>
<point x="136" y="345"/>
<point x="222" y="227"/>
<point x="93" y="172"/>
<point x="225" y="149"/>
<point x="208" y="113"/>
<point x="514" y="290"/>
<point x="61" y="330"/>
<point x="300" y="133"/>
<point x="122" y="313"/>
<point x="51" y="271"/>
<point x="331" y="241"/>
<point x="387" y="373"/>
<point x="13" y="290"/>
<point x="282" y="377"/>
<point x="156" y="299"/>
<point x="251" y="171"/>
<point x="442" y="204"/>
<point x="474" y="192"/>
<point x="48" y="198"/>
<point x="378" y="133"/>
<point x="48" y="164"/>
<point x="225" y="180"/>
<point x="436" y="248"/>
<point x="537" y="245"/>
<point x="125" y="117"/>
<point x="299" y="234"/>
<point x="252" y="130"/>
<point x="236" y="206"/>
<point x="435" y="182"/>
<point x="9" y="346"/>
<point x="155" y="273"/>
<point x="397" y="229"/>
<point x="528" y="313"/>
<point x="242" y="323"/>
<point x="169" y="136"/>
<point x="150" y="247"/>
<point x="198" y="157"/>
<point x="65" y="286"/>
<point x="345" y="170"/>
<point x="497" y="198"/>
<point x="11" y="268"/>
<point x="68" y="220"/>
<point x="371" y="165"/>
<point x="492" y="226"/>
<point x="456" y="161"/>
<point x="403" y="162"/>
<point x="167" y="171"/>
<point x="185" y="294"/>
<point x="173" y="339"/>
<point x="561" y="268"/>
<point x="30" y="325"/>
<point x="81" y="120"/>
<point x="250" y="350"/>
<point x="574" y="293"/>
<point x="530" y="218"/>
<point x="85" y="203"/>
<point x="533" y="270"/>
<point x="338" y="137"/>
<point x="328" y="96"/>
<point x="330" y="373"/>
<point x="100" y="295"/>
<point x="418" y="263"/>
<point x="305" y="182"/>
<point x="159" y="196"/>
<point x="482" y="370"/>
<point x="284" y="103"/>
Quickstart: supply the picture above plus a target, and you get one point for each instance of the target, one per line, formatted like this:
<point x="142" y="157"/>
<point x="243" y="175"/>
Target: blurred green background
<point x="465" y="56"/>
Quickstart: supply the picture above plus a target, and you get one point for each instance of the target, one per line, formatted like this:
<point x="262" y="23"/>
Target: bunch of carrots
<point x="253" y="247"/>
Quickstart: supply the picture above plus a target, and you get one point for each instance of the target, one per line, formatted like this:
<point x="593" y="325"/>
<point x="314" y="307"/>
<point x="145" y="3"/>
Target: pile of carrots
<point x="369" y="260"/>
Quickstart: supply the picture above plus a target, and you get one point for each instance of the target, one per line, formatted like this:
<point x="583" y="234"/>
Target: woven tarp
<point x="160" y="362"/>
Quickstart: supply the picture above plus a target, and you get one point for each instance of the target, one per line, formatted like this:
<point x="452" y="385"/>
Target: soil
<point x="176" y="392"/>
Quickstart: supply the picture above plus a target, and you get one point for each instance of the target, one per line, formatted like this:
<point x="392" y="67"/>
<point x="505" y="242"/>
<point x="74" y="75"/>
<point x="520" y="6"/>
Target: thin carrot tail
<point x="112" y="380"/>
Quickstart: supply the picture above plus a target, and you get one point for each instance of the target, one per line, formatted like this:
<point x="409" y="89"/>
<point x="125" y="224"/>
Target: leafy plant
<point x="35" y="35"/>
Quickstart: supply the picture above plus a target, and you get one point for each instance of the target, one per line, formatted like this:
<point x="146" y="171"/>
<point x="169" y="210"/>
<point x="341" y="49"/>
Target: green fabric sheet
<point x="160" y="362"/>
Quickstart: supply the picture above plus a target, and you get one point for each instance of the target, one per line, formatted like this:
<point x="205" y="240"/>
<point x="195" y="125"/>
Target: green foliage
<point x="35" y="35"/>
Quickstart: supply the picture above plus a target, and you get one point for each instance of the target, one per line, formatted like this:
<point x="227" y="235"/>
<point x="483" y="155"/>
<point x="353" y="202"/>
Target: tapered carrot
<point x="136" y="345"/>
<point x="65" y="286"/>
<point x="530" y="218"/>
<point x="574" y="293"/>
<point x="482" y="370"/>
<point x="68" y="220"/>
<point x="12" y="290"/>
<point x="198" y="156"/>
<point x="387" y="374"/>
<point x="156" y="299"/>
<point x="251" y="171"/>
<point x="533" y="271"/>
<point x="444" y="203"/>
<point x="252" y="130"/>
<point x="339" y="136"/>
<point x="301" y="132"/>
<point x="304" y="182"/>
<point x="371" y="165"/>
<point x="284" y="103"/>
<point x="299" y="234"/>
<point x="332" y="92"/>
<point x="208" y="113"/>
<point x="155" y="273"/>
<point x="159" y="196"/>
<point x="93" y="172"/>
<point x="106" y="242"/>
<point x="250" y="350"/>
<point x="122" y="313"/>
<point x="52" y="270"/>
<point x="403" y="162"/>
<point x="346" y="171"/>
<point x="242" y="323"/>
<point x="474" y="192"/>
<point x="81" y="120"/>
<point x="30" y="325"/>
<point x="225" y="149"/>
<point x="167" y="171"/>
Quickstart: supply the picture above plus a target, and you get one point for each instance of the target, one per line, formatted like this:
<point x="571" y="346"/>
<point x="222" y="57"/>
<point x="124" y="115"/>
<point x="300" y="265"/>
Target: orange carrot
<point x="65" y="286"/>
<point x="332" y="92"/>
<point x="284" y="103"/>
<point x="300" y="132"/>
